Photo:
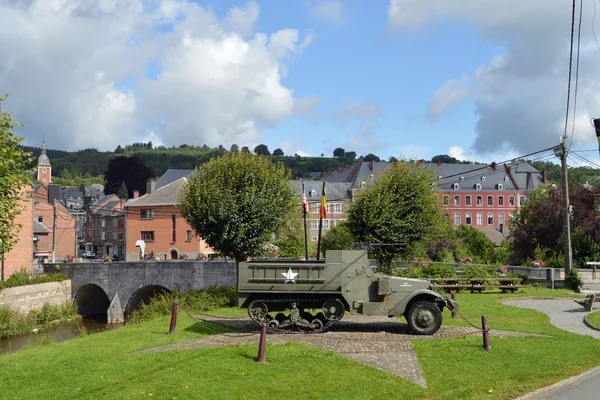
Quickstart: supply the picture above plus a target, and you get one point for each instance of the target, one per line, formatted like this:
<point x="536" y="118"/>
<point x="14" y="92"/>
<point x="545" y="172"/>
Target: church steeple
<point x="44" y="172"/>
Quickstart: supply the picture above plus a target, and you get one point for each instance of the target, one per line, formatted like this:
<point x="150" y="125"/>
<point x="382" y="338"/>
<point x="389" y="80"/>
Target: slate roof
<point x="38" y="227"/>
<point x="334" y="191"/>
<point x="171" y="175"/>
<point x="163" y="196"/>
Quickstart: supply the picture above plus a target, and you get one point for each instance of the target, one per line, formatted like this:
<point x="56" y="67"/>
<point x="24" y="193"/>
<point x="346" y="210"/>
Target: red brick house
<point x="154" y="219"/>
<point x="21" y="255"/>
<point x="105" y="227"/>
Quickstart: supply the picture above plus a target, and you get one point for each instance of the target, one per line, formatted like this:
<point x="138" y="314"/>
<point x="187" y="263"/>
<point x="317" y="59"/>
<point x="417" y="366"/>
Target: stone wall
<point x="31" y="297"/>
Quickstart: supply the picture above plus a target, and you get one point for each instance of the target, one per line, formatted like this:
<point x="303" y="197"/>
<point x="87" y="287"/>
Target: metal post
<point x="2" y="278"/>
<point x="486" y="334"/>
<point x="54" y="234"/>
<point x="262" y="344"/>
<point x="173" y="319"/>
<point x="454" y="309"/>
<point x="568" y="259"/>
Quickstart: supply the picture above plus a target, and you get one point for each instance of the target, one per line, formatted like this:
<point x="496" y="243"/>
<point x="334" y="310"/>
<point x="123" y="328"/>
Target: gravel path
<point x="564" y="314"/>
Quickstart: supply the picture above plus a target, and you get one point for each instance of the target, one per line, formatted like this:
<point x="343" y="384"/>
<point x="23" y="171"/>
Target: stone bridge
<point x="118" y="288"/>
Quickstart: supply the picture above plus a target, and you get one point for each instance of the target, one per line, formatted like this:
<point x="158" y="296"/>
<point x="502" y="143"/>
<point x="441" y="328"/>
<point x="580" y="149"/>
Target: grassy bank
<point x="594" y="319"/>
<point x="14" y="323"/>
<point x="22" y="278"/>
<point x="105" y="365"/>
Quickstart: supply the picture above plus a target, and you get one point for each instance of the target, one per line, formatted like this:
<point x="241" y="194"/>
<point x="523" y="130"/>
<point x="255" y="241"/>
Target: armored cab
<point x="313" y="295"/>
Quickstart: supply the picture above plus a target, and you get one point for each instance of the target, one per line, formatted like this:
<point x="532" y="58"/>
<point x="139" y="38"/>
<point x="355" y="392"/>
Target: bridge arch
<point x="92" y="302"/>
<point x="143" y="296"/>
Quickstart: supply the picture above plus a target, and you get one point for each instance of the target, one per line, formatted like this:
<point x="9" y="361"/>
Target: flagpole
<point x="304" y="212"/>
<point x="322" y="211"/>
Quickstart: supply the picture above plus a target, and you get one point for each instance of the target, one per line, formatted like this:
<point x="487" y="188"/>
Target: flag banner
<point x="597" y="126"/>
<point x="304" y="201"/>
<point x="323" y="203"/>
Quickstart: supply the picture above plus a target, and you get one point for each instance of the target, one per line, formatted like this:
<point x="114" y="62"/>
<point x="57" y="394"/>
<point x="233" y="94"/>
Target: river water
<point x="56" y="333"/>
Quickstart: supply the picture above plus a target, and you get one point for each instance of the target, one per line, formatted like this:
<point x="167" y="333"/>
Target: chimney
<point x="494" y="165"/>
<point x="136" y="194"/>
<point x="373" y="165"/>
<point x="339" y="169"/>
<point x="150" y="186"/>
<point x="544" y="177"/>
<point x="439" y="163"/>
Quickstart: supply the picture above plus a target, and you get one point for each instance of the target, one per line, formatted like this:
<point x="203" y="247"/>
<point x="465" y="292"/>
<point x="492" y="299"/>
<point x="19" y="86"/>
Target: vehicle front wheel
<point x="424" y="318"/>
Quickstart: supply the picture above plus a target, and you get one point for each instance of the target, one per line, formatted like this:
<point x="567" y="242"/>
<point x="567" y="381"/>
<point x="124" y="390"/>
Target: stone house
<point x="105" y="227"/>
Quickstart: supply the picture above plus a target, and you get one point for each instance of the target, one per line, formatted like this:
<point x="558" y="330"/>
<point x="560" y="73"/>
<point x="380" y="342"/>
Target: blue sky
<point x="394" y="78"/>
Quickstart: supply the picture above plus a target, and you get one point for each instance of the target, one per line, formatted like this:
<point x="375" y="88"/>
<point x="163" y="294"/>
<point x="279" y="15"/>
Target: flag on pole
<point x="596" y="123"/>
<point x="304" y="200"/>
<point x="323" y="203"/>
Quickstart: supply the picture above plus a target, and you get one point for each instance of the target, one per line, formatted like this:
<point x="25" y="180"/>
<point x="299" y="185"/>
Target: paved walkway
<point x="371" y="340"/>
<point x="565" y="314"/>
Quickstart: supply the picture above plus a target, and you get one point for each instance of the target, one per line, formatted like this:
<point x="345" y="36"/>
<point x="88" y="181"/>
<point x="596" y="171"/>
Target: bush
<point x="573" y="281"/>
<point x="196" y="300"/>
<point x="478" y="271"/>
<point x="14" y="323"/>
<point x="441" y="271"/>
<point x="22" y="278"/>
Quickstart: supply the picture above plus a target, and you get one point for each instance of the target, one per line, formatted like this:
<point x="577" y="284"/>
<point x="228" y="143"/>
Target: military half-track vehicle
<point x="313" y="295"/>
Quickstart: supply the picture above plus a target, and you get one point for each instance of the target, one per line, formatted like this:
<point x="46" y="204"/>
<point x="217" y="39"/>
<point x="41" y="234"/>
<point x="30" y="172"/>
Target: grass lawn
<point x="594" y="319"/>
<point x="103" y="366"/>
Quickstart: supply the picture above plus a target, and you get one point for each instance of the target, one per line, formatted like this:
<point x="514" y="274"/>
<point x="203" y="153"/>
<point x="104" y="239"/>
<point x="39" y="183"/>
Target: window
<point x="446" y="200"/>
<point x="521" y="200"/>
<point x="121" y="222"/>
<point x="511" y="201"/>
<point x="506" y="179"/>
<point x="501" y="218"/>
<point x="478" y="186"/>
<point x="467" y="200"/>
<point x="120" y="236"/>
<point x="108" y="236"/>
<point x="313" y="193"/>
<point x="314" y="239"/>
<point x="146" y="213"/>
<point x="314" y="207"/>
<point x="41" y="219"/>
<point x="490" y="219"/>
<point x="455" y="186"/>
<point x="447" y="216"/>
<point x="457" y="200"/>
<point x="462" y="178"/>
<point x="103" y="221"/>
<point x="468" y="219"/>
<point x="483" y="178"/>
<point x="314" y="224"/>
<point x="456" y="219"/>
<point x="337" y="208"/>
<point x="479" y="200"/>
<point x="102" y="235"/>
<point x="174" y="226"/>
<point x="490" y="201"/>
<point x="500" y="186"/>
<point x="325" y="224"/>
<point x="479" y="219"/>
<point x="148" y="236"/>
<point x="363" y="184"/>
<point x="109" y="223"/>
<point x="501" y="200"/>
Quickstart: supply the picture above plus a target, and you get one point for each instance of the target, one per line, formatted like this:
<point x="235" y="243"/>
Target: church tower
<point x="44" y="170"/>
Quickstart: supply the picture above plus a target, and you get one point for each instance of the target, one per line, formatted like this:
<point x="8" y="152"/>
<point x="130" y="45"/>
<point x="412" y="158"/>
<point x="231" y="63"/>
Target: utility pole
<point x="561" y="152"/>
<point x="54" y="236"/>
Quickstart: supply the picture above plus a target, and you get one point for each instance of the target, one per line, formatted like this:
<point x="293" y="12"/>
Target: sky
<point x="479" y="80"/>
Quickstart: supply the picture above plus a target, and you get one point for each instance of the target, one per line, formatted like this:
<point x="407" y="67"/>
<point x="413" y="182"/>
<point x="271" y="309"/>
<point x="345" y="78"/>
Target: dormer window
<point x="440" y="177"/>
<point x="455" y="186"/>
<point x="478" y="186"/>
<point x="462" y="178"/>
<point x="506" y="179"/>
<point x="500" y="186"/>
<point x="483" y="178"/>
<point x="313" y="193"/>
<point x="363" y="184"/>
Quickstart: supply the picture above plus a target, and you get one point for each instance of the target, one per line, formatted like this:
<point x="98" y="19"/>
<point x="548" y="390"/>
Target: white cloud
<point x="64" y="62"/>
<point x="293" y="146"/>
<point x="357" y="109"/>
<point x="452" y="92"/>
<point x="520" y="97"/>
<point x="327" y="10"/>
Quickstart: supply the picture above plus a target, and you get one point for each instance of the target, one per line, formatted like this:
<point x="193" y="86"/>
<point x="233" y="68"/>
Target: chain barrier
<point x="474" y="326"/>
<point x="201" y="322"/>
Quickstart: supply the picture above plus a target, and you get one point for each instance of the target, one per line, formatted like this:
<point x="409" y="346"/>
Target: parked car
<point x="89" y="254"/>
<point x="115" y="257"/>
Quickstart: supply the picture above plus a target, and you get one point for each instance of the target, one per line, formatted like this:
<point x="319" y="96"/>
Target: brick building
<point x="105" y="227"/>
<point x="154" y="219"/>
<point x="55" y="231"/>
<point x="21" y="255"/>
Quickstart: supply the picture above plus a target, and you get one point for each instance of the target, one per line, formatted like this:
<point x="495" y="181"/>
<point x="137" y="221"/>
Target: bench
<point x="589" y="301"/>
<point x="478" y="284"/>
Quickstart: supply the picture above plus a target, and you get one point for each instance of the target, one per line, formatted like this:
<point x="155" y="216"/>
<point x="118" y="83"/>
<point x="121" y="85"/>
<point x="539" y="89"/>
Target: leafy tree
<point x="290" y="237"/>
<point x="118" y="150"/>
<point x="350" y="155"/>
<point x="262" y="150"/>
<point x="339" y="152"/>
<point x="245" y="150"/>
<point x="130" y="170"/>
<point x="443" y="158"/>
<point x="475" y="243"/>
<point x="278" y="153"/>
<point x="337" y="238"/>
<point x="234" y="148"/>
<point x="392" y="159"/>
<point x="237" y="202"/>
<point x="400" y="207"/>
<point x="123" y="192"/>
<point x="371" y="157"/>
<point x="13" y="178"/>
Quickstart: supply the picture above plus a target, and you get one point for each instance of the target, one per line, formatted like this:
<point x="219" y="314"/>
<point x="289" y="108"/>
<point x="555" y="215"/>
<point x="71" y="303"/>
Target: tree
<point x="443" y="158"/>
<point x="392" y="159"/>
<point x="234" y="149"/>
<point x="337" y="238"/>
<point x="118" y="150"/>
<point x="290" y="237"/>
<point x="477" y="245"/>
<point x="371" y="157"/>
<point x="130" y="170"/>
<point x="13" y="177"/>
<point x="350" y="155"/>
<point x="123" y="192"/>
<point x="400" y="207"/>
<point x="245" y="150"/>
<point x="237" y="202"/>
<point x="339" y="152"/>
<point x="278" y="153"/>
<point x="262" y="150"/>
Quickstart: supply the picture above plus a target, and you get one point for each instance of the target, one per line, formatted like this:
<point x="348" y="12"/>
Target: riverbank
<point x="13" y="322"/>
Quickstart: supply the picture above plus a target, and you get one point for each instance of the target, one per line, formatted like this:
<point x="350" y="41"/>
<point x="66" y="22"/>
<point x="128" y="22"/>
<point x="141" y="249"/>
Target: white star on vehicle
<point x="289" y="276"/>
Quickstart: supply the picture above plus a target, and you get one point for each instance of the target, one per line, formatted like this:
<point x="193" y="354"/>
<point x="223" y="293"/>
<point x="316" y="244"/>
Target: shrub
<point x="441" y="271"/>
<point x="573" y="281"/>
<point x="21" y="278"/>
<point x="478" y="271"/>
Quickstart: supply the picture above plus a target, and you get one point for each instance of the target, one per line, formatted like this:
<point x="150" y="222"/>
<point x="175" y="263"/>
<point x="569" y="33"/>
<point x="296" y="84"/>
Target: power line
<point x="593" y="29"/>
<point x="585" y="159"/>
<point x="576" y="75"/>
<point x="570" y="69"/>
